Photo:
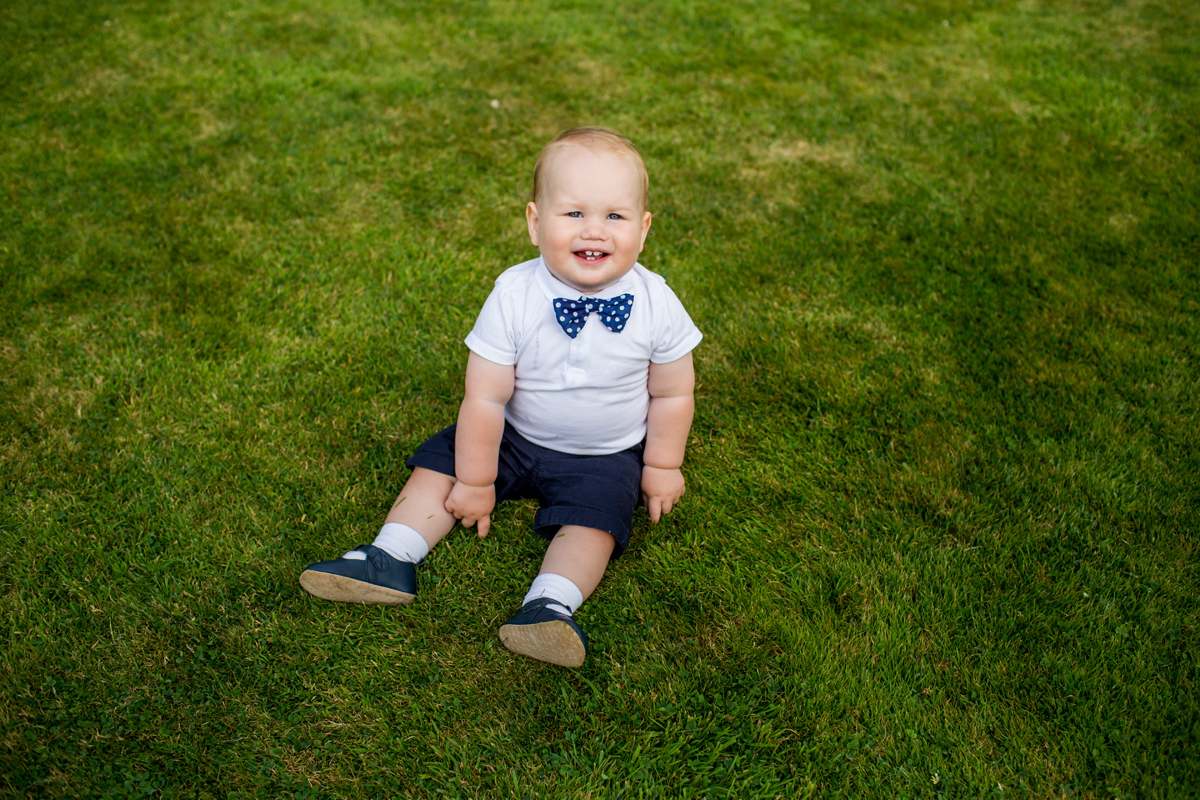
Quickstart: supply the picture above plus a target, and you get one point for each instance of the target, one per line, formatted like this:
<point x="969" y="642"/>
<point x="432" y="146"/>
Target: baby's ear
<point x="645" y="227"/>
<point x="531" y="217"/>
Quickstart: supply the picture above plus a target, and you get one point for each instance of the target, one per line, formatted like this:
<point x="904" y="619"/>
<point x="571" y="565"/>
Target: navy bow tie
<point x="572" y="314"/>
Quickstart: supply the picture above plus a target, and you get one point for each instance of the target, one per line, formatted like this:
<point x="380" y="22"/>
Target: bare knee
<point x="423" y="479"/>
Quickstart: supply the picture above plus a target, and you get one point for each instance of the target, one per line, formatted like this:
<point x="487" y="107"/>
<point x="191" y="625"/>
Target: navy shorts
<point x="593" y="491"/>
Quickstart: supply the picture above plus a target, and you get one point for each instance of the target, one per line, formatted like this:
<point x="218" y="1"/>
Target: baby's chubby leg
<point x="421" y="506"/>
<point x="580" y="555"/>
<point x="571" y="570"/>
<point x="385" y="571"/>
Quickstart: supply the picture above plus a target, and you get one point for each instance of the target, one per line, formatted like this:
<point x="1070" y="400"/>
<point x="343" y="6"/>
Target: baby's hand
<point x="661" y="490"/>
<point x="472" y="504"/>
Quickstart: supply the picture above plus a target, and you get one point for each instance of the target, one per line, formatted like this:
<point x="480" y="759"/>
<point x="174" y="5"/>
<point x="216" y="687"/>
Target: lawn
<point x="940" y="537"/>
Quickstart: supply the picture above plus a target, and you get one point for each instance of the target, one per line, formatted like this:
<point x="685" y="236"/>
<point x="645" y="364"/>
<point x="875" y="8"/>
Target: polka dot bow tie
<point x="572" y="314"/>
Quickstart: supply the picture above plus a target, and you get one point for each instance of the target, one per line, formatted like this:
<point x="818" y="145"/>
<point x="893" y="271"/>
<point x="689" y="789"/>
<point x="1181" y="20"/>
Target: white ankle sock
<point x="398" y="541"/>
<point x="562" y="591"/>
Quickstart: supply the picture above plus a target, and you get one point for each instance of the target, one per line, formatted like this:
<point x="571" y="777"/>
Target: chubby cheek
<point x="561" y="242"/>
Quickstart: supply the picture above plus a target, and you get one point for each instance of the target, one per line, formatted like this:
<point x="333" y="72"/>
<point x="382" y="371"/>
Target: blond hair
<point x="595" y="138"/>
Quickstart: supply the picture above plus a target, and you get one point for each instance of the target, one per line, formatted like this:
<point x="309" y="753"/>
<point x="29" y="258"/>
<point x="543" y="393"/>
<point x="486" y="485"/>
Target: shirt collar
<point x="553" y="288"/>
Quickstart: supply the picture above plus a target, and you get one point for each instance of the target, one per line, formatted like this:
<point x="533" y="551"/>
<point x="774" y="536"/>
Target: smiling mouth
<point x="591" y="255"/>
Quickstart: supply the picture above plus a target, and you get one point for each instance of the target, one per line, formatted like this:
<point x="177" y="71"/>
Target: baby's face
<point x="589" y="225"/>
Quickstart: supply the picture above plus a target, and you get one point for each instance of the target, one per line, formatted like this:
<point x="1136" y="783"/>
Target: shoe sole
<point x="554" y="641"/>
<point x="341" y="589"/>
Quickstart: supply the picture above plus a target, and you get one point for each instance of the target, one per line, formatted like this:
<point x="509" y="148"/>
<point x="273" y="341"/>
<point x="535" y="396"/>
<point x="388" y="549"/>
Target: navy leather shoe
<point x="539" y="632"/>
<point x="378" y="579"/>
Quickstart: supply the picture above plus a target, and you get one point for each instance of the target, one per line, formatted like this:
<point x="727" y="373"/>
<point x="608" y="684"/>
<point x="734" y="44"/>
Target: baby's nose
<point x="593" y="230"/>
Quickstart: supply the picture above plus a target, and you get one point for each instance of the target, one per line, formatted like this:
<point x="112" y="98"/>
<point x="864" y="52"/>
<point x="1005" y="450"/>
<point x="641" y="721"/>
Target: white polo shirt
<point x="586" y="395"/>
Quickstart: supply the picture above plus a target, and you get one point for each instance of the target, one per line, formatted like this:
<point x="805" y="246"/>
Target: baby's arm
<point x="477" y="441"/>
<point x="667" y="426"/>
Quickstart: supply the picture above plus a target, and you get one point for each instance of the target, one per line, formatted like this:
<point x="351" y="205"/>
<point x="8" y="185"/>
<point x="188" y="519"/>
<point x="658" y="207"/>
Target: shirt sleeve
<point x="676" y="335"/>
<point x="494" y="336"/>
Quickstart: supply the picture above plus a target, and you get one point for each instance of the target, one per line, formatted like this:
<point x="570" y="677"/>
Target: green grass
<point x="940" y="533"/>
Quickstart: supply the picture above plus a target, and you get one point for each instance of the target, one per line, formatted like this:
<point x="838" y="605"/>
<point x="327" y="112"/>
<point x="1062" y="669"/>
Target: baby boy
<point x="578" y="393"/>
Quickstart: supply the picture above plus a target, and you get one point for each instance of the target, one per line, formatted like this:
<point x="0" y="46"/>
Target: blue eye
<point x="615" y="215"/>
<point x="574" y="213"/>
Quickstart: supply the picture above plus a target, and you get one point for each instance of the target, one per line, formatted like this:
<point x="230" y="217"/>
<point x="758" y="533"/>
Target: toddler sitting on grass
<point x="578" y="393"/>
